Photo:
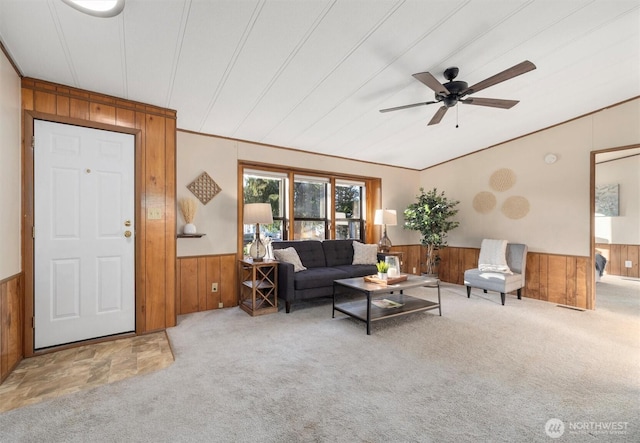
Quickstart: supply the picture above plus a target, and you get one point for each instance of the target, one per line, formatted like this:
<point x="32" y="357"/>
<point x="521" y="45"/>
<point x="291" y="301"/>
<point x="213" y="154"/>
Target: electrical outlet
<point x="220" y="305"/>
<point x="154" y="213"/>
<point x="628" y="264"/>
<point x="214" y="287"/>
<point x="414" y="269"/>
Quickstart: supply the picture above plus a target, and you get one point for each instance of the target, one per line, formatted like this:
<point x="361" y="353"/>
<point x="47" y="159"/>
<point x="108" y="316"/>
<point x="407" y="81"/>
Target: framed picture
<point x="607" y="200"/>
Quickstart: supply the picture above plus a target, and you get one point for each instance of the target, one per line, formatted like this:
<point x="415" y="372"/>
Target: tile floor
<point x="72" y="370"/>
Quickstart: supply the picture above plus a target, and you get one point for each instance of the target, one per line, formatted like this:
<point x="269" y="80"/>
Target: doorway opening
<point x="615" y="214"/>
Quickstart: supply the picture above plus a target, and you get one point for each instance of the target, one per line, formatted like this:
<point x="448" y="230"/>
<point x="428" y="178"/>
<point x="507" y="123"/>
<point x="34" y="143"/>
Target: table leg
<point x="333" y="313"/>
<point x="439" y="302"/>
<point x="368" y="313"/>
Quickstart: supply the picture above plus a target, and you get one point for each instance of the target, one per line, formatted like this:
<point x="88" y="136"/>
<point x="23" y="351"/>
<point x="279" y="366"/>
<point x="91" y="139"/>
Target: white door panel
<point x="84" y="265"/>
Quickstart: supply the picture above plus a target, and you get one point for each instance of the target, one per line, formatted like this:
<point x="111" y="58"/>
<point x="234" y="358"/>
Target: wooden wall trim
<point x="66" y="93"/>
<point x="195" y="276"/>
<point x="616" y="254"/>
<point x="11" y="323"/>
<point x="11" y="278"/>
<point x="556" y="278"/>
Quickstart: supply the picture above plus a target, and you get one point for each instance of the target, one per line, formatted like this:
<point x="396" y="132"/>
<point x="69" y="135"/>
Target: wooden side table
<point x="258" y="286"/>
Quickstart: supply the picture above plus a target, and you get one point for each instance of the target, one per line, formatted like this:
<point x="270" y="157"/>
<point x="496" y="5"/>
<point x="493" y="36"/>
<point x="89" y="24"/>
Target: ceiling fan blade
<point x="397" y="108"/>
<point x="438" y="116"/>
<point x="431" y="82"/>
<point x="507" y="74"/>
<point x="493" y="102"/>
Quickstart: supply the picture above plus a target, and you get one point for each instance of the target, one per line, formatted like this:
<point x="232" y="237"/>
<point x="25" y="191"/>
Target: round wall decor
<point x="502" y="179"/>
<point x="484" y="202"/>
<point x="515" y="207"/>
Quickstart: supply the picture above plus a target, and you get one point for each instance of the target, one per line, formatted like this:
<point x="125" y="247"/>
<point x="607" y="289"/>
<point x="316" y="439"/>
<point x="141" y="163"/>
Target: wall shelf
<point x="191" y="235"/>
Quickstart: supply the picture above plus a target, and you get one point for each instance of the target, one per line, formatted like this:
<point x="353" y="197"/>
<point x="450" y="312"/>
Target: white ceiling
<point x="312" y="74"/>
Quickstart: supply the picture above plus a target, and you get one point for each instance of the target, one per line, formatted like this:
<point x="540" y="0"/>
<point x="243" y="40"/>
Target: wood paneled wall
<point x="155" y="131"/>
<point x="195" y="277"/>
<point x="616" y="255"/>
<point x="11" y="295"/>
<point x="561" y="279"/>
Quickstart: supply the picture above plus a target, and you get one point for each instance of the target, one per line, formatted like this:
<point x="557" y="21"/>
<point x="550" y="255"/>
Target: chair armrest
<point x="286" y="289"/>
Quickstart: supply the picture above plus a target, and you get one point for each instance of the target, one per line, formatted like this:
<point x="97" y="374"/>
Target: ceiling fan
<point x="453" y="92"/>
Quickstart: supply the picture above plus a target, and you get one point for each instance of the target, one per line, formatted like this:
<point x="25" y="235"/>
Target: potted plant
<point x="383" y="268"/>
<point x="431" y="215"/>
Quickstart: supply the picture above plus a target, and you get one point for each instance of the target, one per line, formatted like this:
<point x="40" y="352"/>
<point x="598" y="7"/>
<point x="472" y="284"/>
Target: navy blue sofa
<point x="325" y="261"/>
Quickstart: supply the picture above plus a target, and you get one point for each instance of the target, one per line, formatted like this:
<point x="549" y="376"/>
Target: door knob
<point x="127" y="222"/>
<point x="127" y="234"/>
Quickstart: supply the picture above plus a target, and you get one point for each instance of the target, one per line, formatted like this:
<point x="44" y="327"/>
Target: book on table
<point x="386" y="303"/>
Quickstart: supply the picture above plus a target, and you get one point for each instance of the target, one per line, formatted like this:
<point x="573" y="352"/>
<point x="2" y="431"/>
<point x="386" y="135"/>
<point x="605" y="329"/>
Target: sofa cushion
<point x="317" y="277"/>
<point x="310" y="251"/>
<point x="338" y="252"/>
<point x="358" y="270"/>
<point x="289" y="255"/>
<point x="364" y="254"/>
<point x="493" y="281"/>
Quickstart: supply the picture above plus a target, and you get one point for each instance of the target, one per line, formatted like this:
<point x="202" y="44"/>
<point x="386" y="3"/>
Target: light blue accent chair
<point x="516" y="256"/>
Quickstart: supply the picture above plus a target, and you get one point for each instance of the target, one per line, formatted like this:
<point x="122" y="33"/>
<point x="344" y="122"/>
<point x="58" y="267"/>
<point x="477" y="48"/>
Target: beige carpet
<point x="481" y="372"/>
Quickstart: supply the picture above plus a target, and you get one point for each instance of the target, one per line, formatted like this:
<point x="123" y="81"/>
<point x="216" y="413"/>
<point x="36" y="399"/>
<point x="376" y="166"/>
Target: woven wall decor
<point x="484" y="202"/>
<point x="204" y="188"/>
<point x="515" y="207"/>
<point x="502" y="179"/>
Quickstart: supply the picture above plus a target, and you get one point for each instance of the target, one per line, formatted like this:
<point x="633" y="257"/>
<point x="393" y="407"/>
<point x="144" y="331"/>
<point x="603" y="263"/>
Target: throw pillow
<point x="289" y="255"/>
<point x="493" y="256"/>
<point x="364" y="254"/>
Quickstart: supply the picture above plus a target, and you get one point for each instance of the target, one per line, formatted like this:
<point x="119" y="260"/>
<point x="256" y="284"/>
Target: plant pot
<point x="189" y="228"/>
<point x="382" y="275"/>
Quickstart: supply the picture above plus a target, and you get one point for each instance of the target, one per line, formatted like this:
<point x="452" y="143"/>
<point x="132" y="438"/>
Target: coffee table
<point x="368" y="310"/>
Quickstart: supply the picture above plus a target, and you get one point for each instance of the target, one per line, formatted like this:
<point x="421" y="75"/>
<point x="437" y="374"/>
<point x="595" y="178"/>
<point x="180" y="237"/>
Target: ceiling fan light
<point x="97" y="8"/>
<point x="450" y="101"/>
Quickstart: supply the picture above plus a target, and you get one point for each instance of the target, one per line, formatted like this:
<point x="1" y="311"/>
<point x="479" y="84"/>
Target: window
<point x="310" y="202"/>
<point x="349" y="201"/>
<point x="266" y="187"/>
<point x="309" y="205"/>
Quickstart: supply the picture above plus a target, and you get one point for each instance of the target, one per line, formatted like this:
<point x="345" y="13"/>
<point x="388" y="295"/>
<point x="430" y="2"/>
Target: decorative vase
<point x="257" y="250"/>
<point x="394" y="265"/>
<point x="382" y="275"/>
<point x="189" y="228"/>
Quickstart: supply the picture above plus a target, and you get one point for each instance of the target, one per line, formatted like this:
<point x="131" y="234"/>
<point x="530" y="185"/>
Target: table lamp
<point x="257" y="213"/>
<point x="385" y="217"/>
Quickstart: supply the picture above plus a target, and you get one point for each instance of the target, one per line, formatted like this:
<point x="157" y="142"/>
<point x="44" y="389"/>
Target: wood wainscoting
<point x="561" y="279"/>
<point x="11" y="296"/>
<point x="195" y="275"/>
<point x="155" y="157"/>
<point x="616" y="255"/>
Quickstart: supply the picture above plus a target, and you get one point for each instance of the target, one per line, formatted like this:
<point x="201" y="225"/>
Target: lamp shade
<point x="385" y="217"/>
<point x="257" y="213"/>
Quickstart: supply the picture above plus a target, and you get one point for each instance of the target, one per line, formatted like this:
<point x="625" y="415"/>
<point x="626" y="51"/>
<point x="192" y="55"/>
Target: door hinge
<point x="33" y="322"/>
<point x="33" y="231"/>
<point x="33" y="142"/>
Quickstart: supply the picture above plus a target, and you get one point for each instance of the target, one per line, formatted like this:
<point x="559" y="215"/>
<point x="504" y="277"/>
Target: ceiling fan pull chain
<point x="456" y="115"/>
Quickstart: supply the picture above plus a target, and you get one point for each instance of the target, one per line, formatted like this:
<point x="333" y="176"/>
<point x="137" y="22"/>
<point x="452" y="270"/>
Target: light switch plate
<point x="154" y="213"/>
<point x="627" y="264"/>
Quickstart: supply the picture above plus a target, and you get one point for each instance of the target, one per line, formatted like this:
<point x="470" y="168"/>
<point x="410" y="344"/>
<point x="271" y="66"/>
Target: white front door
<point x="84" y="257"/>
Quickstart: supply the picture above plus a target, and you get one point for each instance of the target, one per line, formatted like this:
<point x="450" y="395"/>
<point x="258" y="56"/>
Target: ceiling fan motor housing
<point x="454" y="88"/>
